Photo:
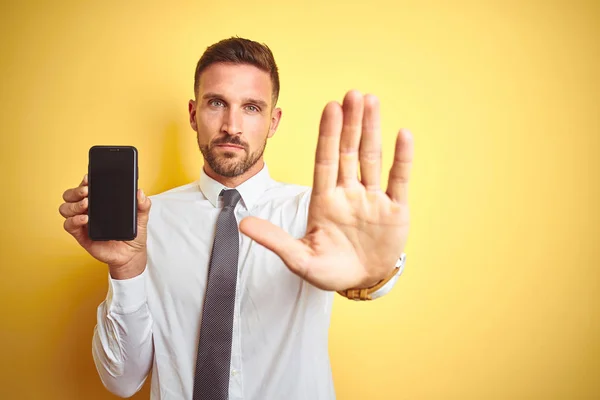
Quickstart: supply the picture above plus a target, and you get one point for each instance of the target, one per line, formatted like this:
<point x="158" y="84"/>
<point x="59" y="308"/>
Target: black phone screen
<point x="112" y="174"/>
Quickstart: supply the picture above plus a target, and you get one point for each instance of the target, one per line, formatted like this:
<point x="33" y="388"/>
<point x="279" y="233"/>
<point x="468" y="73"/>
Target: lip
<point x="230" y="146"/>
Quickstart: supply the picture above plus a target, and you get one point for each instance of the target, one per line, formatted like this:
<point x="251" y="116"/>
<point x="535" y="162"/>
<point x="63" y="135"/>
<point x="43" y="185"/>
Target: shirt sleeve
<point x="385" y="289"/>
<point x="122" y="343"/>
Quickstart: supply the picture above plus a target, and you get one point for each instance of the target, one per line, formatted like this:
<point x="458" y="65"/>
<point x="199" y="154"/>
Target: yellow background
<point x="500" y="295"/>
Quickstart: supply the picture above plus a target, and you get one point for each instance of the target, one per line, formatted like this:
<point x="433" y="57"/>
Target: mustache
<point x="235" y="140"/>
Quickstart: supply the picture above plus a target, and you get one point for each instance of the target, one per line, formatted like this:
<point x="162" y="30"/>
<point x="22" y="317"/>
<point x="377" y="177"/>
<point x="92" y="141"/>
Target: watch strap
<point x="365" y="294"/>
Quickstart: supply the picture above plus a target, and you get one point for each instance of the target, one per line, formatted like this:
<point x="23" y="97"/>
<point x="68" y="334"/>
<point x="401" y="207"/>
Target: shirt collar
<point x="250" y="190"/>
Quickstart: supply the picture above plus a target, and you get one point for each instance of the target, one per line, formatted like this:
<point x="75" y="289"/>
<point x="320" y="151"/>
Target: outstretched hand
<point x="355" y="231"/>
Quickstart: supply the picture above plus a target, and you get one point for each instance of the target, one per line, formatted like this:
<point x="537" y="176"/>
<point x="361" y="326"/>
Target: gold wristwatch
<point x="366" y="294"/>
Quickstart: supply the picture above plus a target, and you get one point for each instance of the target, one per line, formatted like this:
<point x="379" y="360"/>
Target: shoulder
<point x="191" y="187"/>
<point x="282" y="191"/>
<point x="183" y="192"/>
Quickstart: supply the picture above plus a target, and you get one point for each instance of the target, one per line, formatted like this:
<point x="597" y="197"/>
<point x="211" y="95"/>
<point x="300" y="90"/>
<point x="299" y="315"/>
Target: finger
<point x="144" y="205"/>
<point x="370" y="145"/>
<point x="68" y="210"/>
<point x="76" y="194"/>
<point x="328" y="149"/>
<point x="76" y="226"/>
<point x="84" y="182"/>
<point x="350" y="139"/>
<point x="400" y="173"/>
<point x="293" y="252"/>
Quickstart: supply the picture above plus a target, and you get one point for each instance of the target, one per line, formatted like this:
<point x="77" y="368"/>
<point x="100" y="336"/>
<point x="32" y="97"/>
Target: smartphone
<point x="112" y="195"/>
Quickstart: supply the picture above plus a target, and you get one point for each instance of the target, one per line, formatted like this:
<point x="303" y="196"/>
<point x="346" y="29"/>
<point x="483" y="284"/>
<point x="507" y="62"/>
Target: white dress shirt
<point x="280" y="327"/>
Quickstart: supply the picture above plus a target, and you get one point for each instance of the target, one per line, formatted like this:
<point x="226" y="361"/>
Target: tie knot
<point x="230" y="197"/>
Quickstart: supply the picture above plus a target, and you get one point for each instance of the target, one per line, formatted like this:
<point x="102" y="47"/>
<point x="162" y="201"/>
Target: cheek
<point x="256" y="129"/>
<point x="208" y="127"/>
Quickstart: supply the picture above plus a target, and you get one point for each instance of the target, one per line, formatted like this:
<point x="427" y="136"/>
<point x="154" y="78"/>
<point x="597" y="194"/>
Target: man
<point x="264" y="326"/>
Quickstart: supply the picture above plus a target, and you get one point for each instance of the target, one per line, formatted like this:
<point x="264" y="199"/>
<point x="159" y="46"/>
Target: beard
<point x="228" y="164"/>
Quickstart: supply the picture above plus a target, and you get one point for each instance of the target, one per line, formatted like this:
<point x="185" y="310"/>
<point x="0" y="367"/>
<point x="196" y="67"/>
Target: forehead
<point x="236" y="81"/>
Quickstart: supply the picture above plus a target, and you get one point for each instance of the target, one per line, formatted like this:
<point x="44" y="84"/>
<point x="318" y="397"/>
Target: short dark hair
<point x="236" y="50"/>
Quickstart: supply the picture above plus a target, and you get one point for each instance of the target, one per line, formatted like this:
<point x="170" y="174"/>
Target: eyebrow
<point x="258" y="102"/>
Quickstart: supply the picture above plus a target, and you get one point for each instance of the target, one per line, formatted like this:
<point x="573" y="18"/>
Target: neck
<point x="232" y="182"/>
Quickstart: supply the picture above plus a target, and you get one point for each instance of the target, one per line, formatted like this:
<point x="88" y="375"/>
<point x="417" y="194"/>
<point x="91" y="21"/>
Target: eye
<point x="252" y="108"/>
<point x="216" y="103"/>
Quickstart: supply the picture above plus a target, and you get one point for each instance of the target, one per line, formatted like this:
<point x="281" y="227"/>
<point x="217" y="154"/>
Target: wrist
<point x="131" y="269"/>
<point x="374" y="282"/>
<point x="369" y="293"/>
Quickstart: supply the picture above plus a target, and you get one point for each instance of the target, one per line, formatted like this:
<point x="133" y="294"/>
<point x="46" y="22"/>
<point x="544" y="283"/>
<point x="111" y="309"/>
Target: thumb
<point x="293" y="252"/>
<point x="144" y="205"/>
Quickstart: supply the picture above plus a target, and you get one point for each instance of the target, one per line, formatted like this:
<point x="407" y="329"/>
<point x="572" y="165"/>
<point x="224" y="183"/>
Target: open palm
<point x="355" y="231"/>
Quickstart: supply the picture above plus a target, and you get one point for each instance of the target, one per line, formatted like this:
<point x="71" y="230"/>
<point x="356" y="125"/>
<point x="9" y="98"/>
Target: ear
<point x="192" y="111"/>
<point x="275" y="118"/>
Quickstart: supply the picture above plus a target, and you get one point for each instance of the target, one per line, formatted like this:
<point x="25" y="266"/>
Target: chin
<point x="230" y="164"/>
<point x="228" y="155"/>
<point x="229" y="167"/>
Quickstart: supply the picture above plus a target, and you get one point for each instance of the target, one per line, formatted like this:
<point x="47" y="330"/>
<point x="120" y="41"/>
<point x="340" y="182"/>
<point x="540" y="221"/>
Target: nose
<point x="232" y="122"/>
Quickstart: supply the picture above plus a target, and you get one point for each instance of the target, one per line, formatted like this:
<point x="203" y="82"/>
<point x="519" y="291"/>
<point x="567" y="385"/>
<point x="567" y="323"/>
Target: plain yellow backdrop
<point x="500" y="295"/>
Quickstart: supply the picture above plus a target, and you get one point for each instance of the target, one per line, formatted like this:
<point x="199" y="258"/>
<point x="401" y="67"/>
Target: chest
<point x="180" y="244"/>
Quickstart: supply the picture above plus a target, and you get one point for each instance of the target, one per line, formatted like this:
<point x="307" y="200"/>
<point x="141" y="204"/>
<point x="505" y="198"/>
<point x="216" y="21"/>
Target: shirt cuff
<point x="126" y="295"/>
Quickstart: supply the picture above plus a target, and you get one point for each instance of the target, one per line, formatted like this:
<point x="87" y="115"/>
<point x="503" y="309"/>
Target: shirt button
<point x="234" y="372"/>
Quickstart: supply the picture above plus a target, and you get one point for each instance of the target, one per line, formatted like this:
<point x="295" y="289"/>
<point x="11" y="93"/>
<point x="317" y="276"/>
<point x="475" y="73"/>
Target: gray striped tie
<point x="211" y="381"/>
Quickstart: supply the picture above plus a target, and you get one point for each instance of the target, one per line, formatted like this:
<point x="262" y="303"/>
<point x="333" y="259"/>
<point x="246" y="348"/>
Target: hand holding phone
<point x="125" y="259"/>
